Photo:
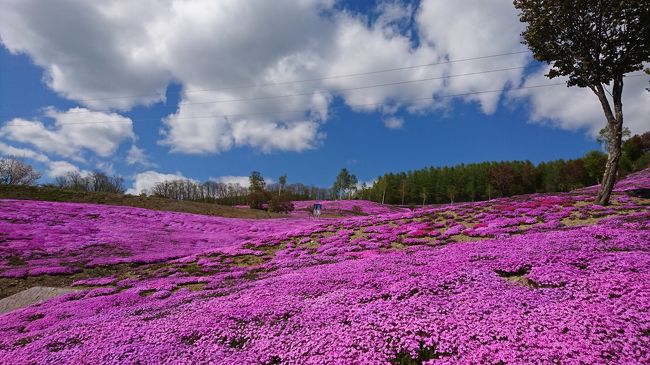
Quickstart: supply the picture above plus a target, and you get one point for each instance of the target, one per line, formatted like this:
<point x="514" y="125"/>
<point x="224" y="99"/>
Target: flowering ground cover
<point x="344" y="208"/>
<point x="532" y="279"/>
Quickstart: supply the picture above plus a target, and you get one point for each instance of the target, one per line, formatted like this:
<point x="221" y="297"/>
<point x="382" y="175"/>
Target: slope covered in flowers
<point x="532" y="279"/>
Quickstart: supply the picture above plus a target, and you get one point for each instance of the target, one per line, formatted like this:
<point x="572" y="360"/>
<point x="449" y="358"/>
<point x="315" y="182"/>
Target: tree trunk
<point x="615" y="129"/>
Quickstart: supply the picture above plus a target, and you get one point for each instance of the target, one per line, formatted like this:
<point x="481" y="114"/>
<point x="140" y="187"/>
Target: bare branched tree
<point x="97" y="181"/>
<point x="13" y="171"/>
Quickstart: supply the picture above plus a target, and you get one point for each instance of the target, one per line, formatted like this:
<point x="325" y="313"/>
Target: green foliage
<point x="256" y="182"/>
<point x="592" y="42"/>
<point x="257" y="199"/>
<point x="637" y="145"/>
<point x="281" y="204"/>
<point x="482" y="181"/>
<point x="257" y="196"/>
<point x="282" y="183"/>
<point x="344" y="183"/>
<point x="594" y="163"/>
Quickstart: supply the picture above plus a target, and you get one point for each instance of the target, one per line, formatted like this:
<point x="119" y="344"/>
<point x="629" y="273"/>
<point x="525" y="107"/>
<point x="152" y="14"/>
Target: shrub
<point x="279" y="205"/>
<point x="258" y="199"/>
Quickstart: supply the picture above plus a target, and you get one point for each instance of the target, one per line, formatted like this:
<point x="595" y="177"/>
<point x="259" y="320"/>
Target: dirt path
<point x="31" y="296"/>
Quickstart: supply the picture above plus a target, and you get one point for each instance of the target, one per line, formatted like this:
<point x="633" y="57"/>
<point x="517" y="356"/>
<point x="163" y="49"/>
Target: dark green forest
<point x="487" y="180"/>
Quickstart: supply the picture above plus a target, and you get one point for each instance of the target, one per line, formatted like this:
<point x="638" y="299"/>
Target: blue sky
<point x="88" y="69"/>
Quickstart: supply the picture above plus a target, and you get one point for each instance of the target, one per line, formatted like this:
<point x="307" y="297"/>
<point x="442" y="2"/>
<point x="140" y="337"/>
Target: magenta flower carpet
<point x="538" y="279"/>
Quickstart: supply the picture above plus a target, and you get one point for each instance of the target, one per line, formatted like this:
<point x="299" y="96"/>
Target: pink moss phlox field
<point x="344" y="207"/>
<point x="526" y="280"/>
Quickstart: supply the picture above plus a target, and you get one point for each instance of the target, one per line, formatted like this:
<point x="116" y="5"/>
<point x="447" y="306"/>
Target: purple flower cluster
<point x="536" y="279"/>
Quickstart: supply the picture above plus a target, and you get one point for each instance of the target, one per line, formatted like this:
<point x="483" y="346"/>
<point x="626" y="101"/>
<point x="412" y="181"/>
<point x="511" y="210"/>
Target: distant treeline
<point x="481" y="181"/>
<point x="230" y="193"/>
<point x="96" y="181"/>
<point x="432" y="185"/>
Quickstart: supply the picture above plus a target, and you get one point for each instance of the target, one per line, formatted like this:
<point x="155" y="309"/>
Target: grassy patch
<point x="16" y="261"/>
<point x="398" y="246"/>
<point x="192" y="269"/>
<point x="574" y="220"/>
<point x="518" y="277"/>
<point x="582" y="203"/>
<point x="24" y="341"/>
<point x="641" y="201"/>
<point x="191" y="286"/>
<point x="146" y="293"/>
<point x="311" y="245"/>
<point x="327" y="234"/>
<point x="359" y="233"/>
<point x="247" y="260"/>
<point x="466" y="238"/>
<point x="10" y="286"/>
<point x="525" y="227"/>
<point x="269" y="249"/>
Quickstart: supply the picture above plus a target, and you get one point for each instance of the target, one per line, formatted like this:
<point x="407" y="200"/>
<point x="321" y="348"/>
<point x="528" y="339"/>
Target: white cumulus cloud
<point x="144" y="181"/>
<point x="54" y="168"/>
<point x="578" y="108"/>
<point x="110" y="49"/>
<point x="233" y="60"/>
<point x="73" y="131"/>
<point x="62" y="168"/>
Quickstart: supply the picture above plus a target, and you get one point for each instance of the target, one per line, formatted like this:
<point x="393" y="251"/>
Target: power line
<point x="367" y="73"/>
<point x="302" y="111"/>
<point x="327" y="77"/>
<point x="337" y="90"/>
<point x="353" y="88"/>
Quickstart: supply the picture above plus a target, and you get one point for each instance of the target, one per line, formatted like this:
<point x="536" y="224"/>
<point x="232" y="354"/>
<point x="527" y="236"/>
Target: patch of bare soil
<point x="33" y="295"/>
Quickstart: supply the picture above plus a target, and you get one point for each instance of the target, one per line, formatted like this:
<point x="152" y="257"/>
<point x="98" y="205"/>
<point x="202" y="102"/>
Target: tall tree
<point x="256" y="182"/>
<point x="344" y="183"/>
<point x="594" y="43"/>
<point x="351" y="185"/>
<point x="282" y="182"/>
<point x="504" y="179"/>
<point x="257" y="195"/>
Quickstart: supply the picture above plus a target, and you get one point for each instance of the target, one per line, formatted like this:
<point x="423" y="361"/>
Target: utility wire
<point x="353" y="88"/>
<point x="303" y="111"/>
<point x="336" y="90"/>
<point x="327" y="77"/>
